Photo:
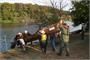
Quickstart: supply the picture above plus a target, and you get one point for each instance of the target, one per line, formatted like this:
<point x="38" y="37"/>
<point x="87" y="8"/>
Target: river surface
<point x="11" y="29"/>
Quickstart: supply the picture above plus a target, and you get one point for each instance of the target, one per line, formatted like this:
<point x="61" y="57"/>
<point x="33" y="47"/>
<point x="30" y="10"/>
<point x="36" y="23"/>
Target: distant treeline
<point x="19" y="12"/>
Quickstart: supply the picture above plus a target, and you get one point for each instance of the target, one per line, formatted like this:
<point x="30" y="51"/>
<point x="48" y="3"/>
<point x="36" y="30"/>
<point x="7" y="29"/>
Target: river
<point x="11" y="29"/>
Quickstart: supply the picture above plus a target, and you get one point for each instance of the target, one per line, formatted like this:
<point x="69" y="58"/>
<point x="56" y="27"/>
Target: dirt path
<point x="79" y="49"/>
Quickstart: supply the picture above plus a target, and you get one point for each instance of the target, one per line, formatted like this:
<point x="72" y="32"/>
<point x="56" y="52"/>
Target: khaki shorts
<point x="22" y="41"/>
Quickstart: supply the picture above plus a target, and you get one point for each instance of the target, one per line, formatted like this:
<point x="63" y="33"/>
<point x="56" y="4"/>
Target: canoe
<point x="49" y="30"/>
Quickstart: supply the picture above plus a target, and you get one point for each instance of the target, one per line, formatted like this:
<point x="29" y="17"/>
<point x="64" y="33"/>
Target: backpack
<point x="16" y="37"/>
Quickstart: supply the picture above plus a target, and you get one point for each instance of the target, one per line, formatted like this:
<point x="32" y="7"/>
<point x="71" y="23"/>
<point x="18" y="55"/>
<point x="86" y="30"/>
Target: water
<point x="11" y="29"/>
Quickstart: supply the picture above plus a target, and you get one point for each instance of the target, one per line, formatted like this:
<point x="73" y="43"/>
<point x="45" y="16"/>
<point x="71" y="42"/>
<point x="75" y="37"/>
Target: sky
<point x="40" y="2"/>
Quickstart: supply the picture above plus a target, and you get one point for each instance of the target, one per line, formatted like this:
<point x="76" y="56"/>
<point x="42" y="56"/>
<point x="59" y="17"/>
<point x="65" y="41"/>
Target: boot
<point x="24" y="47"/>
<point x="16" y="46"/>
<point x="45" y="51"/>
<point x="42" y="50"/>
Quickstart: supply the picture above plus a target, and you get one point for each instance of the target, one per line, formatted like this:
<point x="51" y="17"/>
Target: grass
<point x="9" y="21"/>
<point x="79" y="49"/>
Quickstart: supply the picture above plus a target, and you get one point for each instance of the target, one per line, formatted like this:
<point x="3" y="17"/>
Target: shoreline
<point x="18" y="22"/>
<point x="30" y="21"/>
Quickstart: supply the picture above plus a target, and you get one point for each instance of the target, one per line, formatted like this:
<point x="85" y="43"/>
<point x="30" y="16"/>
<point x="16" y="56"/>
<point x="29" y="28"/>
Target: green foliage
<point x="7" y="11"/>
<point x="7" y="21"/>
<point x="80" y="12"/>
<point x="19" y="12"/>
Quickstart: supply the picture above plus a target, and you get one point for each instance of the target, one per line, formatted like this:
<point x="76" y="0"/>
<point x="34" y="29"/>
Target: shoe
<point x="58" y="54"/>
<point x="82" y="39"/>
<point x="52" y="49"/>
<point x="55" y="49"/>
<point x="23" y="47"/>
<point x="43" y="54"/>
<point x="67" y="55"/>
<point x="15" y="46"/>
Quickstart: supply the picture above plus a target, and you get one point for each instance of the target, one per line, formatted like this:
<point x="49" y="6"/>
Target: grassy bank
<point x="9" y="21"/>
<point x="17" y="21"/>
<point x="79" y="49"/>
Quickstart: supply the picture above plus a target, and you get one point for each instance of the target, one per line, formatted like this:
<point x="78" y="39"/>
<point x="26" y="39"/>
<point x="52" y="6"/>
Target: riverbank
<point x="79" y="49"/>
<point x="17" y="21"/>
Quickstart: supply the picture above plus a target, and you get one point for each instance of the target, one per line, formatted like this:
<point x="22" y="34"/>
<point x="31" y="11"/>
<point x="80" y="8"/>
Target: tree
<point x="20" y="12"/>
<point x="7" y="10"/>
<point x="30" y="10"/>
<point x="57" y="8"/>
<point x="80" y="11"/>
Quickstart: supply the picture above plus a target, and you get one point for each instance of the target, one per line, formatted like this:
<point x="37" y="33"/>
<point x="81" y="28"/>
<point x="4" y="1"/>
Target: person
<point x="43" y="41"/>
<point x="40" y="28"/>
<point x="83" y="28"/>
<point x="47" y="39"/>
<point x="53" y="39"/>
<point x="64" y="38"/>
<point x="22" y="42"/>
<point x="38" y="31"/>
<point x="16" y="39"/>
<point x="25" y="34"/>
<point x="40" y="38"/>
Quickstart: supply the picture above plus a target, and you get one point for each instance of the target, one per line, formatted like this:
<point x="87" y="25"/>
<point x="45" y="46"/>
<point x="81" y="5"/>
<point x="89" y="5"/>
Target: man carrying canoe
<point x="20" y="37"/>
<point x="43" y="40"/>
<point x="64" y="38"/>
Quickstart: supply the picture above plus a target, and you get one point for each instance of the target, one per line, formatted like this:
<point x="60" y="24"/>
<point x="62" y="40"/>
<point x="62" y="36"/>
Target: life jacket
<point x="43" y="37"/>
<point x="17" y="36"/>
<point x="51" y="35"/>
<point x="66" y="30"/>
<point x="20" y="34"/>
<point x="67" y="27"/>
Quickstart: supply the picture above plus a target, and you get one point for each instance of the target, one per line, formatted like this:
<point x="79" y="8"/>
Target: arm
<point x="39" y="33"/>
<point x="59" y="33"/>
<point x="60" y="27"/>
<point x="28" y="34"/>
